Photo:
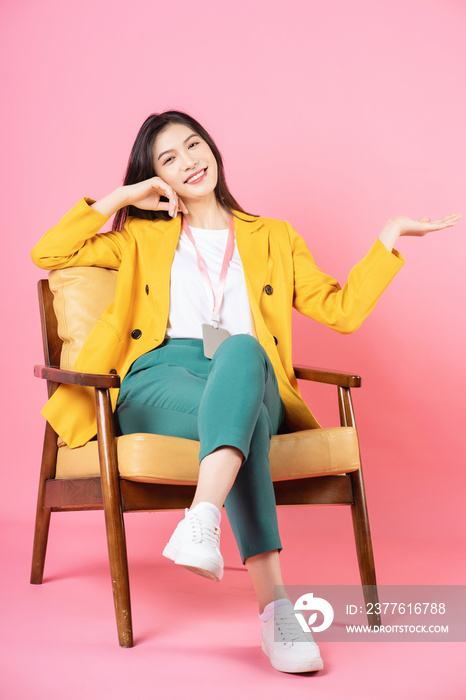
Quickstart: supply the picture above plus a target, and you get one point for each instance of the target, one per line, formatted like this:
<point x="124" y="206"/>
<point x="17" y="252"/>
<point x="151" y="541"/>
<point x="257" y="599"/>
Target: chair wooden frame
<point x="116" y="495"/>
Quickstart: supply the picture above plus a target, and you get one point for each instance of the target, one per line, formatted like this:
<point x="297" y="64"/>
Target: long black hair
<point x="141" y="165"/>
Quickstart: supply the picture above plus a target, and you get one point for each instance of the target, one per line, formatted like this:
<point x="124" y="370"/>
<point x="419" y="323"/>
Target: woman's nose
<point x="188" y="161"/>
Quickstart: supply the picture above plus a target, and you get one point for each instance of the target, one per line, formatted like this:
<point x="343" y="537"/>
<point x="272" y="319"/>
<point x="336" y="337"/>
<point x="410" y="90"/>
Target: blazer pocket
<point x="102" y="323"/>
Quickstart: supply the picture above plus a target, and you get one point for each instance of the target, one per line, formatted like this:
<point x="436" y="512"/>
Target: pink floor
<point x="195" y="638"/>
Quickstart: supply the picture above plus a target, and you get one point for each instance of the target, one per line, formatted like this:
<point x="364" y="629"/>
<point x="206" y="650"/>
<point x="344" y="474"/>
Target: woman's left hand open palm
<point x="423" y="226"/>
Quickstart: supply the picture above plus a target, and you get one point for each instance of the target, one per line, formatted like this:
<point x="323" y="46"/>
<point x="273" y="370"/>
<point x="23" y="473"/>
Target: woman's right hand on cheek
<point x="147" y="195"/>
<point x="143" y="195"/>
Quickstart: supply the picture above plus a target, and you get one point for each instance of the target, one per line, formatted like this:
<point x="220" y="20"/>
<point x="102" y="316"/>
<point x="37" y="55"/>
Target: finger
<point x="161" y="187"/>
<point x="450" y="217"/>
<point x="454" y="218"/>
<point x="163" y="206"/>
<point x="172" y="209"/>
<point x="173" y="205"/>
<point x="443" y="223"/>
<point x="176" y="205"/>
<point x="183" y="206"/>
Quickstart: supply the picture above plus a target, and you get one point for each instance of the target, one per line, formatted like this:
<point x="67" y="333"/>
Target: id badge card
<point x="212" y="338"/>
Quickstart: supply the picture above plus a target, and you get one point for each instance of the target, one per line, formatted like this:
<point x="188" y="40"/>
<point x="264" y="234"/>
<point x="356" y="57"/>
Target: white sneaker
<point x="195" y="544"/>
<point x="288" y="647"/>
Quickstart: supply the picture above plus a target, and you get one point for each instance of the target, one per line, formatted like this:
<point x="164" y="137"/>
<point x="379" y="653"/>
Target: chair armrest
<point x="112" y="381"/>
<point x="65" y="376"/>
<point x="327" y="376"/>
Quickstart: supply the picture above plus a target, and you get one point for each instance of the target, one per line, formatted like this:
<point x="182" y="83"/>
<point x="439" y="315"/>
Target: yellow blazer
<point x="280" y="273"/>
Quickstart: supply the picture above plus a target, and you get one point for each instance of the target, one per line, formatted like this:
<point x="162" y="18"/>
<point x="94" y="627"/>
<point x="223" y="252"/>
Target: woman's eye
<point x="168" y="160"/>
<point x="193" y="143"/>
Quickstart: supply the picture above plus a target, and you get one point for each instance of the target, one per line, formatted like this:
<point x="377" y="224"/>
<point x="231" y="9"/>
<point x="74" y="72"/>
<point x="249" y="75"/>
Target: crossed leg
<point x="231" y="404"/>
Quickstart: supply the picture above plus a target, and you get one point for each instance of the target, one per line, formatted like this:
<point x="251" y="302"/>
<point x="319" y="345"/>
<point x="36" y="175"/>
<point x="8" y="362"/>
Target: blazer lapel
<point x="252" y="239"/>
<point x="161" y="241"/>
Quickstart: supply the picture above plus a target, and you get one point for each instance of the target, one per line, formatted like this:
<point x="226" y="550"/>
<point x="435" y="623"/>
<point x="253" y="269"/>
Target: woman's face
<point x="186" y="163"/>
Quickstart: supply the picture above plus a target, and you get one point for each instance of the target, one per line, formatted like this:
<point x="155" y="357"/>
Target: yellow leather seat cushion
<point x="168" y="460"/>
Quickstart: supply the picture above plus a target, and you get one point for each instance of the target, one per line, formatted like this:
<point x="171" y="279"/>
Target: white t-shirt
<point x="190" y="306"/>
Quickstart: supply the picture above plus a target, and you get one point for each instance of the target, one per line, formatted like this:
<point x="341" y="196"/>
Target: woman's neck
<point x="208" y="215"/>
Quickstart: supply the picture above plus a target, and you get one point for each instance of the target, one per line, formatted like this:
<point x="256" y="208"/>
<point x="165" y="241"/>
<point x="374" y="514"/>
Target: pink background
<point x="332" y="115"/>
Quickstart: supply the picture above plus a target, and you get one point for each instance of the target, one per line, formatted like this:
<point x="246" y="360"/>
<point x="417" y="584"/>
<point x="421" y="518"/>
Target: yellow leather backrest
<point x="80" y="296"/>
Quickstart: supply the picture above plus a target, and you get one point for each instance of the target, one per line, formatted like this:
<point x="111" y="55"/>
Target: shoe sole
<point x="170" y="552"/>
<point x="293" y="666"/>
<point x="201" y="572"/>
<point x="215" y="574"/>
<point x="203" y="567"/>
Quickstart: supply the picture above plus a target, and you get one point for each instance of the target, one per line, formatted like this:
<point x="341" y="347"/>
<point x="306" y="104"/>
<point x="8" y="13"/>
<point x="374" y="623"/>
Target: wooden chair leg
<point x="362" y="533"/>
<point x="362" y="536"/>
<point x="49" y="460"/>
<point x="114" y="517"/>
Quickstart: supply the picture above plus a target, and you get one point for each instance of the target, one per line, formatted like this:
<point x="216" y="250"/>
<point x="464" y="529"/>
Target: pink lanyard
<point x="230" y="246"/>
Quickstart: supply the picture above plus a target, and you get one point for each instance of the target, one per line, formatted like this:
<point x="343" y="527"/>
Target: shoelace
<point x="289" y="627"/>
<point x="203" y="532"/>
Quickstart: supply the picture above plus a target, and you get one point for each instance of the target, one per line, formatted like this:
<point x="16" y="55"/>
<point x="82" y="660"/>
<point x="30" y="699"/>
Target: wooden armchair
<point x="129" y="473"/>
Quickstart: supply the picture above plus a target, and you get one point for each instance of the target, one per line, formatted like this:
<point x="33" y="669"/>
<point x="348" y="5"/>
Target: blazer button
<point x="113" y="371"/>
<point x="136" y="334"/>
<point x="268" y="289"/>
<point x="276" y="340"/>
<point x="147" y="289"/>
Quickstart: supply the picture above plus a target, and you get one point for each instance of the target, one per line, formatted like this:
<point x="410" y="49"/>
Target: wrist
<point x="118" y="198"/>
<point x="390" y="234"/>
<point x="111" y="203"/>
<point x="121" y="197"/>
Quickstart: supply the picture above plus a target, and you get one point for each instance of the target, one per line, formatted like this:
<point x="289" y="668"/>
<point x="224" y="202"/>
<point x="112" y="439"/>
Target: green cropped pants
<point x="231" y="400"/>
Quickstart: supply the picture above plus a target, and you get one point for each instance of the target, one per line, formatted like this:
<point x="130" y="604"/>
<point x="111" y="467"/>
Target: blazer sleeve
<point x="75" y="241"/>
<point x="320" y="296"/>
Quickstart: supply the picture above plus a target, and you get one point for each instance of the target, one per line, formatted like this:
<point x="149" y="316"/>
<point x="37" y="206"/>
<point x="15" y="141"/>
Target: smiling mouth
<point x="197" y="177"/>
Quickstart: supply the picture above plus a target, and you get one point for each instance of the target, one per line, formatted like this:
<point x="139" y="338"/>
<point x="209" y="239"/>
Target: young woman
<point x="200" y="332"/>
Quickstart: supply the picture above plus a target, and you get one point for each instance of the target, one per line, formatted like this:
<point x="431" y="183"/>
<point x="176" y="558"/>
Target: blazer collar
<point x="252" y="240"/>
<point x="243" y="222"/>
<point x="246" y="223"/>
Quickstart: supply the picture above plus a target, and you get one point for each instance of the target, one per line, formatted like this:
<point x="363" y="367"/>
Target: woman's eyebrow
<point x="172" y="149"/>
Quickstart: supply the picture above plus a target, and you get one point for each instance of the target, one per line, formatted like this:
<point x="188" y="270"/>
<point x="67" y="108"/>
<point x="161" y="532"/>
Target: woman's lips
<point x="198" y="177"/>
